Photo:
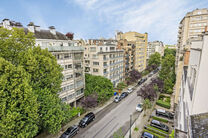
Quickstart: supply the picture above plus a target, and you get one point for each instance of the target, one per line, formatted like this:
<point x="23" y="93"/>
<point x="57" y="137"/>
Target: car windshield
<point x="84" y="119"/>
<point x="139" y="105"/>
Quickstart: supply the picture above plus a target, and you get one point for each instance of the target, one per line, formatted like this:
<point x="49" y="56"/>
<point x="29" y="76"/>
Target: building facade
<point x="129" y="55"/>
<point x="192" y="25"/>
<point x="192" y="111"/>
<point x="69" y="55"/>
<point x="102" y="58"/>
<point x="140" y="41"/>
<point x="155" y="46"/>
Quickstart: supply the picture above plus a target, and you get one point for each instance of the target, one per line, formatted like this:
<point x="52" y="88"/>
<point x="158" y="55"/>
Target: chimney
<point x="37" y="28"/>
<point x="6" y="23"/>
<point x="52" y="30"/>
<point x="31" y="27"/>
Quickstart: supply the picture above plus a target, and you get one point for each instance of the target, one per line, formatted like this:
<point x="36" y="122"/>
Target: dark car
<point x="123" y="95"/>
<point x="87" y="119"/>
<point x="147" y="135"/>
<point x="142" y="81"/>
<point x="70" y="132"/>
<point x="160" y="112"/>
<point x="159" y="125"/>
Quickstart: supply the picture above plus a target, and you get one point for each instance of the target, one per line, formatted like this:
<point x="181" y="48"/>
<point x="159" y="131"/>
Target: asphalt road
<point x="111" y="118"/>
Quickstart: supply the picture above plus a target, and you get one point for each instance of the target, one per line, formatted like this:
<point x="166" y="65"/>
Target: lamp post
<point x="130" y="127"/>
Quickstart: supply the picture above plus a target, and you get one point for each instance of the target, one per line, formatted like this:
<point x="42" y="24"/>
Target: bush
<point x="155" y="134"/>
<point x="157" y="130"/>
<point x="160" y="119"/>
<point x="136" y="129"/>
<point x="172" y="135"/>
<point x="167" y="100"/>
<point x="163" y="104"/>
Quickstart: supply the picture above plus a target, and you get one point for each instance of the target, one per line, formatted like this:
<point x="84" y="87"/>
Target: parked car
<point x="139" y="107"/>
<point x="147" y="135"/>
<point x="70" y="132"/>
<point x="123" y="95"/>
<point x="161" y="112"/>
<point x="150" y="75"/>
<point x="130" y="90"/>
<point x="117" y="99"/>
<point x="159" y="125"/>
<point x="87" y="119"/>
<point x="142" y="81"/>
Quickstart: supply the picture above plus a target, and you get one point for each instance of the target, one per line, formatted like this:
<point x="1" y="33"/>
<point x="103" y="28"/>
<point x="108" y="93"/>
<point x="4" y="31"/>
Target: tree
<point x="89" y="101"/>
<point x="134" y="76"/>
<point x="121" y="86"/>
<point x="168" y="51"/>
<point x="45" y="76"/>
<point x="98" y="85"/>
<point x="18" y="103"/>
<point x="146" y="104"/>
<point x="155" y="59"/>
<point x="147" y="92"/>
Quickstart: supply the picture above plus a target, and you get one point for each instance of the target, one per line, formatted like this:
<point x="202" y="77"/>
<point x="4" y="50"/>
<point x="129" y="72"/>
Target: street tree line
<point x="30" y="79"/>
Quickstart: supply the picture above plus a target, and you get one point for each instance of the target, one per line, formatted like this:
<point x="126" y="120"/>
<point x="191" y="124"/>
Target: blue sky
<point x="101" y="18"/>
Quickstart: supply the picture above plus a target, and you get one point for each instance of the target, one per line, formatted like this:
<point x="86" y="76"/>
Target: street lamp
<point x="130" y="126"/>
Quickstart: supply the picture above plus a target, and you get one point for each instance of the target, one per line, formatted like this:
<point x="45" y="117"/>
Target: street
<point x="112" y="117"/>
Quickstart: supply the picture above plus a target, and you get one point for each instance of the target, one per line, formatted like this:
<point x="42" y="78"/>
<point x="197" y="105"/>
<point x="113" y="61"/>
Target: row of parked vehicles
<point x="158" y="124"/>
<point x="73" y="130"/>
<point x="123" y="95"/>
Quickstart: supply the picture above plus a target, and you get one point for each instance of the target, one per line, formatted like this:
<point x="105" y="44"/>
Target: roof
<point x="199" y="125"/>
<point x="46" y="34"/>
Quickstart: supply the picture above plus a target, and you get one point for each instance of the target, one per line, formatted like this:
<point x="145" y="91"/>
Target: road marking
<point x="104" y="126"/>
<point x="111" y="130"/>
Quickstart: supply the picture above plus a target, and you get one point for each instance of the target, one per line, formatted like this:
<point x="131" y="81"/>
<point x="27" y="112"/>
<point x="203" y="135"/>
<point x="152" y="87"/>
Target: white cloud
<point x="160" y="18"/>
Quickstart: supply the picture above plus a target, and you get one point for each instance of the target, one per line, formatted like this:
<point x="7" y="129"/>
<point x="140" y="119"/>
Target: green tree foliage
<point x="146" y="104"/>
<point x="167" y="73"/>
<point x="18" y="103"/>
<point x="98" y="85"/>
<point x="45" y="77"/>
<point x="168" y="51"/>
<point x="121" y="86"/>
<point x="155" y="59"/>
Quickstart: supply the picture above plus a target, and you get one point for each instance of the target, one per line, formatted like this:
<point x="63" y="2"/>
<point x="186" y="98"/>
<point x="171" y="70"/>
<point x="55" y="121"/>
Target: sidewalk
<point x="75" y="121"/>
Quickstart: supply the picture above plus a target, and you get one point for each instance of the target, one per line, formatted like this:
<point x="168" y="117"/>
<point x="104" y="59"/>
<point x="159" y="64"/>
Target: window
<point x="95" y="70"/>
<point x="69" y="66"/>
<point x="92" y="49"/>
<point x="112" y="48"/>
<point x="78" y="66"/>
<point x="67" y="56"/>
<point x="94" y="56"/>
<point x="78" y="56"/>
<point x="78" y="74"/>
<point x="104" y="63"/>
<point x="101" y="49"/>
<point x="95" y="63"/>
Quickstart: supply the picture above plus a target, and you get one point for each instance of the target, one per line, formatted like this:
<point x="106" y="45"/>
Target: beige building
<point x="155" y="46"/>
<point x="129" y="55"/>
<point x="140" y="41"/>
<point x="69" y="55"/>
<point x="193" y="24"/>
<point x="192" y="110"/>
<point x="102" y="58"/>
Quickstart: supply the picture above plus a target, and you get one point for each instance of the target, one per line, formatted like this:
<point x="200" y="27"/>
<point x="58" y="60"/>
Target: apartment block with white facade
<point x="69" y="55"/>
<point x="155" y="46"/>
<point x="102" y="58"/>
<point x="192" y="110"/>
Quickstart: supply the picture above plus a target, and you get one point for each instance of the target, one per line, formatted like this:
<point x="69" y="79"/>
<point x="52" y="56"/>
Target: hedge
<point x="155" y="134"/>
<point x="163" y="104"/>
<point x="157" y="130"/>
<point x="160" y="119"/>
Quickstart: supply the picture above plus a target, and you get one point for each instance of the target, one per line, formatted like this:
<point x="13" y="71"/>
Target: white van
<point x="130" y="90"/>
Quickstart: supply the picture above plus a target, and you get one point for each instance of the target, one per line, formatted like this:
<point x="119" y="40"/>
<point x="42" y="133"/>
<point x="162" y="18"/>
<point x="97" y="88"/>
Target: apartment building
<point x="155" y="46"/>
<point x="102" y="58"/>
<point x="140" y="41"/>
<point x="129" y="55"/>
<point x="192" y="25"/>
<point x="69" y="55"/>
<point x="192" y="112"/>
